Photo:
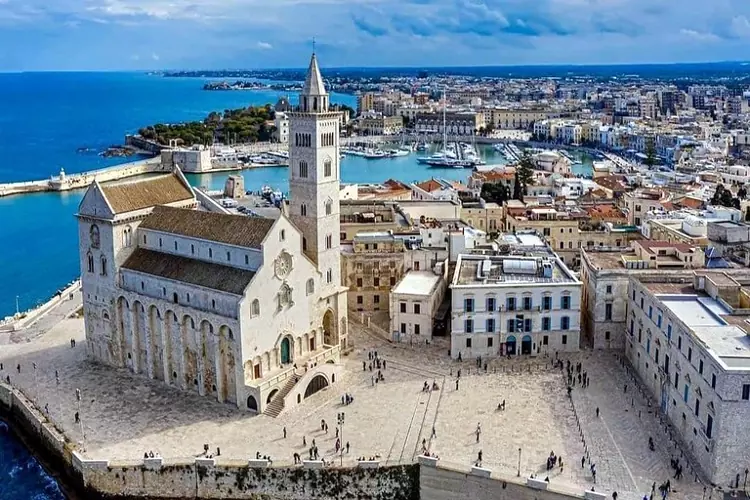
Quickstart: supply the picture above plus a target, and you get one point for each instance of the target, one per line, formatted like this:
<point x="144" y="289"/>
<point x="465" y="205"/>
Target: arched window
<point x="90" y="259"/>
<point x="94" y="236"/>
<point x="285" y="295"/>
<point x="315" y="103"/>
<point x="310" y="286"/>
<point x="255" y="311"/>
<point x="303" y="169"/>
<point x="127" y="237"/>
<point x="303" y="210"/>
<point x="327" y="167"/>
<point x="104" y="265"/>
<point x="304" y="244"/>
<point x="329" y="276"/>
<point x="329" y="241"/>
<point x="329" y="206"/>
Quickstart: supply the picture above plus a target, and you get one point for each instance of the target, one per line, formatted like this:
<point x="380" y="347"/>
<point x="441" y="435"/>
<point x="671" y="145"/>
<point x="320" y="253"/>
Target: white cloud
<point x="699" y="35"/>
<point x="740" y="27"/>
<point x="264" y="45"/>
<point x="154" y="56"/>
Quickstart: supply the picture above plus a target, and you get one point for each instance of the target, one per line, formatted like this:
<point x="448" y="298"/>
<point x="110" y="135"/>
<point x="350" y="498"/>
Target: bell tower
<point x="314" y="178"/>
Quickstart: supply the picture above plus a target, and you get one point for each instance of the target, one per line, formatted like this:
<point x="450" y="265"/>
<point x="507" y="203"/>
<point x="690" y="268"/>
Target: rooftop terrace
<point x="511" y="270"/>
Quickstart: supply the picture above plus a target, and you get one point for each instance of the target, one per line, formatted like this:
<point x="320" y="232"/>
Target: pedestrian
<point x="479" y="457"/>
<point x="46" y="408"/>
<point x="347" y="446"/>
<point x="304" y="441"/>
<point x="77" y="417"/>
<point x="284" y="432"/>
<point x="456" y="384"/>
<point x="434" y="434"/>
<point x="614" y="495"/>
<point x="18" y="367"/>
<point x="383" y="364"/>
<point x="625" y="391"/>
<point x="372" y="380"/>
<point x="583" y="462"/>
<point x="337" y="432"/>
<point x="364" y="366"/>
<point x="597" y="412"/>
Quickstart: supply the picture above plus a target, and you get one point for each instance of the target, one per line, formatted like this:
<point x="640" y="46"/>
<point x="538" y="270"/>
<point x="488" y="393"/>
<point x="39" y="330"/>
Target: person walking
<point x="597" y="412"/>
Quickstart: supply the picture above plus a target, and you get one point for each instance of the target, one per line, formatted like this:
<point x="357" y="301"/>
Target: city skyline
<point x="160" y="34"/>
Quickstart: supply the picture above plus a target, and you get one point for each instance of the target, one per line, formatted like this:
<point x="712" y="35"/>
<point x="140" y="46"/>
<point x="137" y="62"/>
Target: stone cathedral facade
<point x="248" y="310"/>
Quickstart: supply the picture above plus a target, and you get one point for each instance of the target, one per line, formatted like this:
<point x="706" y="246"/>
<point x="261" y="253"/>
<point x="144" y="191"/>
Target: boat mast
<point x="445" y="136"/>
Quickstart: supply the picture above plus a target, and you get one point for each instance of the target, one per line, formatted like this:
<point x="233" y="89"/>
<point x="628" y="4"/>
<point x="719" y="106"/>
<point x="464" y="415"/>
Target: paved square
<point x="125" y="415"/>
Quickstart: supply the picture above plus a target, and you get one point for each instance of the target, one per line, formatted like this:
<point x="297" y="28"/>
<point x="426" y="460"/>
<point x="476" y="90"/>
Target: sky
<point x="222" y="34"/>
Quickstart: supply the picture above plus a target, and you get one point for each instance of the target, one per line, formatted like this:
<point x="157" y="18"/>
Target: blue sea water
<point x="21" y="476"/>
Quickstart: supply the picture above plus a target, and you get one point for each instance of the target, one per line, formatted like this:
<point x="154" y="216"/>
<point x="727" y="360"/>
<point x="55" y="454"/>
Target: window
<point x="402" y="306"/>
<point x="329" y="207"/>
<point x="360" y="300"/>
<point x="650" y="311"/>
<point x="648" y="346"/>
<point x="229" y="257"/>
<point x="609" y="288"/>
<point x="376" y="299"/>
<point x="329" y="276"/>
<point x="547" y="303"/>
<point x="393" y="281"/>
<point x="104" y="265"/>
<point x="416" y="329"/>
<point x="679" y="343"/>
<point x="255" y="311"/>
<point x="417" y="309"/>
<point x="511" y="325"/>
<point x="403" y="327"/>
<point x="700" y="367"/>
<point x="686" y="393"/>
<point x="669" y="332"/>
<point x="565" y="323"/>
<point x="607" y="335"/>
<point x="745" y="392"/>
<point x="641" y="302"/>
<point x="187" y="298"/>
<point x="527" y="303"/>
<point x="143" y="285"/>
<point x="527" y="325"/>
<point x="359" y="282"/>
<point x="658" y="321"/>
<point x="608" y="311"/>
<point x="489" y="341"/>
<point x="90" y="259"/>
<point x="491" y="304"/>
<point x="690" y="353"/>
<point x="490" y="325"/>
<point x="310" y="286"/>
<point x="510" y="303"/>
<point x="564" y="340"/>
<point x="210" y="253"/>
<point x="160" y="242"/>
<point x="329" y="242"/>
<point x="127" y="237"/>
<point x="565" y="302"/>
<point x="697" y="407"/>
<point x="175" y="299"/>
<point x="144" y="239"/>
<point x="546" y="324"/>
<point x="469" y="326"/>
<point x="213" y="303"/>
<point x="282" y="235"/>
<point x="713" y="381"/>
<point x="303" y="210"/>
<point x="709" y="426"/>
<point x="327" y="167"/>
<point x="303" y="169"/>
<point x="304" y="244"/>
<point x="469" y="305"/>
<point x="416" y="266"/>
<point x="468" y="342"/>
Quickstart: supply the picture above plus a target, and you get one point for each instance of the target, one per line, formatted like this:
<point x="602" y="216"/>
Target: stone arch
<point x="286" y="349"/>
<point x="330" y="333"/>
<point x="271" y="395"/>
<point x="157" y="348"/>
<point x="207" y="358"/>
<point x="317" y="384"/>
<point x="190" y="353"/>
<point x="170" y="329"/>
<point x="227" y="377"/>
<point x="122" y="327"/>
<point x="140" y="342"/>
<point x="252" y="404"/>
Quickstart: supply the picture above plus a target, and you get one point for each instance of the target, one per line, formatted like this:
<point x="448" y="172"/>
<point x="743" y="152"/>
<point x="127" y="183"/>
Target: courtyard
<point x="122" y="416"/>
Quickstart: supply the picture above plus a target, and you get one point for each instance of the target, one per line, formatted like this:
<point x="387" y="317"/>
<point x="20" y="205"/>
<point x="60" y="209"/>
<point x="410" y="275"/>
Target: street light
<point x="80" y="420"/>
<point x="519" y="463"/>
<point x="744" y="485"/>
<point x="340" y="420"/>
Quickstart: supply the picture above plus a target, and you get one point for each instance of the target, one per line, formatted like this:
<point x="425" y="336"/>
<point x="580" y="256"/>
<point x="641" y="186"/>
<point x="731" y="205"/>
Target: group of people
<point x="426" y="387"/>
<point x="150" y="454"/>
<point x="664" y="490"/>
<point x="576" y="373"/>
<point x="347" y="399"/>
<point x="677" y="467"/>
<point x="209" y="455"/>
<point x="553" y="460"/>
<point x="265" y="457"/>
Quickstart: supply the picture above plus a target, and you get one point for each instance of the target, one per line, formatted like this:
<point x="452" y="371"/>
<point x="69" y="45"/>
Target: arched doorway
<point x="526" y="344"/>
<point x="286" y="349"/>
<point x="271" y="396"/>
<point x="318" y="383"/>
<point x="252" y="404"/>
<point x="330" y="336"/>
<point x="510" y="345"/>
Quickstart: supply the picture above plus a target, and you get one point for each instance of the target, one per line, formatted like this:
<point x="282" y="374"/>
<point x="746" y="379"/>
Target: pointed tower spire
<point x="314" y="98"/>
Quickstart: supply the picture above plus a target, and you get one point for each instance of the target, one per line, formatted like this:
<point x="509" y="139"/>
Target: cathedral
<point x="248" y="310"/>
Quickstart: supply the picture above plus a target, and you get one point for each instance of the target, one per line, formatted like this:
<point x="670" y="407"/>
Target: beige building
<point x="518" y="118"/>
<point x="380" y="125"/>
<point x="358" y="216"/>
<point x="638" y="203"/>
<point x="365" y="102"/>
<point x="459" y="123"/>
<point x="414" y="304"/>
<point x="485" y="216"/>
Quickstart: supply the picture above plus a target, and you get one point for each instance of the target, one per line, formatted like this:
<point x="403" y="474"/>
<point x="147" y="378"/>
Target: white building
<point x="281" y="122"/>
<point x="194" y="159"/>
<point x="514" y="305"/>
<point x="689" y="344"/>
<point x="414" y="303"/>
<point x="247" y="310"/>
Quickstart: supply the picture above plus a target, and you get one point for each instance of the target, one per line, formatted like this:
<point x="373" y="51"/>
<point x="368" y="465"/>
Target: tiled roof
<point x="148" y="192"/>
<point x="238" y="230"/>
<point x="429" y="186"/>
<point x="196" y="272"/>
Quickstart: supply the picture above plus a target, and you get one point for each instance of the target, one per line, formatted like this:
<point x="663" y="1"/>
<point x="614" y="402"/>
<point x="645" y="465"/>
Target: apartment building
<point x="513" y="305"/>
<point x="414" y="305"/>
<point x="379" y="124"/>
<point x="687" y="340"/>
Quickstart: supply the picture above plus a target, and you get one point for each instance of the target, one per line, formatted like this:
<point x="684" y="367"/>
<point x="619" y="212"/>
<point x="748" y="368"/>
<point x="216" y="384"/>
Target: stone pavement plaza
<point x="124" y="415"/>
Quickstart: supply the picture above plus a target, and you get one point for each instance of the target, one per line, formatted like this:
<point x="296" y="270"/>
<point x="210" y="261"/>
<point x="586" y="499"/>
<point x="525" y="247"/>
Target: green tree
<point x="650" y="160"/>
<point x="517" y="188"/>
<point x="742" y="193"/>
<point x="525" y="172"/>
<point x="495" y="193"/>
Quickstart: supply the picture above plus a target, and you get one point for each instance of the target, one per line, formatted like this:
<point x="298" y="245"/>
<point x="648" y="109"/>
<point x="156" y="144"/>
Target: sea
<point x="53" y="121"/>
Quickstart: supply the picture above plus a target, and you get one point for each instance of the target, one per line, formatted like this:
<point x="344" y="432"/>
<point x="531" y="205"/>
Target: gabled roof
<point x="129" y="196"/>
<point x="313" y="80"/>
<point x="429" y="186"/>
<point x="238" y="230"/>
<point x="196" y="272"/>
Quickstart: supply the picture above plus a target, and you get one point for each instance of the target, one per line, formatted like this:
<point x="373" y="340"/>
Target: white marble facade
<point x="224" y="305"/>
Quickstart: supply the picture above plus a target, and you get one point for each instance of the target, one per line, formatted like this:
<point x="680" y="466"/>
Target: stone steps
<point x="276" y="406"/>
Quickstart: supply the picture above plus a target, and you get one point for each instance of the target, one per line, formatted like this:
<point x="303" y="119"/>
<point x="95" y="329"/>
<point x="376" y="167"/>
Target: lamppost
<point x="340" y="420"/>
<point x="744" y="485"/>
<point x="518" y="473"/>
<point x="80" y="420"/>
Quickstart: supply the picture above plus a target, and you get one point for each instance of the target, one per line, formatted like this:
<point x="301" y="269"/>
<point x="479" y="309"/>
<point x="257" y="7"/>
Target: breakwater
<point x="224" y="478"/>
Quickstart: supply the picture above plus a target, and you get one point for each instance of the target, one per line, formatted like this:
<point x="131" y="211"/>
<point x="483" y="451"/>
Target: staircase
<point x="276" y="406"/>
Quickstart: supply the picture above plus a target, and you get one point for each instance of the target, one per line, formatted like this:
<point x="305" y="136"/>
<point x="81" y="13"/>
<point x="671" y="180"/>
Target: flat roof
<point x="695" y="311"/>
<point x="469" y="266"/>
<point x="730" y="344"/>
<point x="417" y="283"/>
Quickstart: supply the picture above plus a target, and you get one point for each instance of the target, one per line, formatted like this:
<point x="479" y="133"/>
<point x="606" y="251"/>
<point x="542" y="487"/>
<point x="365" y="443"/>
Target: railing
<point x="271" y="382"/>
<point x="324" y="356"/>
